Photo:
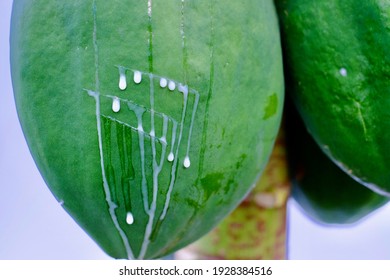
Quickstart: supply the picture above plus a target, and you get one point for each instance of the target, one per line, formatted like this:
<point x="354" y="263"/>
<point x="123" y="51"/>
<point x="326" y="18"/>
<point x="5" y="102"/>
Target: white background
<point x="34" y="226"/>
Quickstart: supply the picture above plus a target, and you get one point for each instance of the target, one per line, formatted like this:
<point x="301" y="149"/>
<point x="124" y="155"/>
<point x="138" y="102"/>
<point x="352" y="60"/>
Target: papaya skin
<point x="338" y="65"/>
<point x="102" y="145"/>
<point x="324" y="192"/>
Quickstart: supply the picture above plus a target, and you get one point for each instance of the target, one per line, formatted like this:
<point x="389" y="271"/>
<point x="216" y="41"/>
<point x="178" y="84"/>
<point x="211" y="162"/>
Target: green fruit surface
<point x="103" y="142"/>
<point x="338" y="63"/>
<point x="325" y="192"/>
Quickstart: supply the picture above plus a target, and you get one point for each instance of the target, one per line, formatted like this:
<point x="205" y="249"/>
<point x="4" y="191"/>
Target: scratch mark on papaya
<point x="139" y="110"/>
<point x="153" y="137"/>
<point x="187" y="158"/>
<point x="150" y="39"/>
<point x="156" y="169"/>
<point x="361" y="119"/>
<point x="184" y="41"/>
<point x="205" y="120"/>
<point x="95" y="46"/>
<point x="174" y="166"/>
<point x="184" y="90"/>
<point x="112" y="206"/>
<point x="187" y="161"/>
<point x="209" y="95"/>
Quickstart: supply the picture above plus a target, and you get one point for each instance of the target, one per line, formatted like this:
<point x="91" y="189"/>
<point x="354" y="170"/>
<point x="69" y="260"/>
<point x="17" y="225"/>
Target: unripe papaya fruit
<point x="338" y="65"/>
<point x="325" y="192"/>
<point x="149" y="120"/>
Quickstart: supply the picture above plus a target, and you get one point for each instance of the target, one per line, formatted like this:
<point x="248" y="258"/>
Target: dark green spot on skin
<point x="231" y="184"/>
<point x="239" y="163"/>
<point x="212" y="183"/>
<point x="272" y="106"/>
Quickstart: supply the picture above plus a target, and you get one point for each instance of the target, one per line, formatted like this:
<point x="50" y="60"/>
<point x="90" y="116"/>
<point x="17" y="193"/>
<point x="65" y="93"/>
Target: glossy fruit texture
<point x="338" y="67"/>
<point x="325" y="192"/>
<point x="149" y="120"/>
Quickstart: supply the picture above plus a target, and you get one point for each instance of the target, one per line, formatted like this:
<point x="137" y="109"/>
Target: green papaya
<point x="148" y="120"/>
<point x="325" y="193"/>
<point x="338" y="66"/>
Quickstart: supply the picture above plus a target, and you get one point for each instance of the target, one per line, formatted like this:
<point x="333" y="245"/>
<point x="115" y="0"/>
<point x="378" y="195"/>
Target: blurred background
<point x="34" y="226"/>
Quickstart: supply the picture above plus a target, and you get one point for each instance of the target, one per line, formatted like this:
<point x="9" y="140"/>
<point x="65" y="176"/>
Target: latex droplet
<point x="187" y="162"/>
<point x="163" y="82"/>
<point x="171" y="85"/>
<point x="116" y="105"/>
<point x="129" y="218"/>
<point x="171" y="157"/>
<point x="122" y="81"/>
<point x="137" y="77"/>
<point x="343" y="72"/>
